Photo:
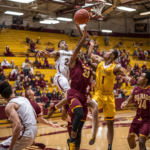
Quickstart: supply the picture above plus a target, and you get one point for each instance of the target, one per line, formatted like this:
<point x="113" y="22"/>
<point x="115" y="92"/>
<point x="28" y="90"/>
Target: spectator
<point x="36" y="83"/>
<point x="49" y="95"/>
<point x="132" y="72"/>
<point x="27" y="40"/>
<point x="42" y="83"/>
<point x="14" y="90"/>
<point x="144" y="67"/>
<point x="106" y="39"/>
<point x="88" y="92"/>
<point x="54" y="96"/>
<point x="38" y="65"/>
<point x="120" y="43"/>
<point x="22" y="74"/>
<point x="72" y="34"/>
<point x="2" y="76"/>
<point x="135" y="53"/>
<point x="31" y="75"/>
<point x="134" y="44"/>
<point x="26" y="83"/>
<point x="141" y="56"/>
<point x="49" y="49"/>
<point x="141" y="44"/>
<point x="30" y="82"/>
<point x="149" y="52"/>
<point x="5" y="64"/>
<point x="145" y="53"/>
<point x="13" y="74"/>
<point x="46" y="64"/>
<point x="31" y="68"/>
<point x="136" y="67"/>
<point x="18" y="84"/>
<point x="12" y="64"/>
<point x="1" y="69"/>
<point x="3" y="25"/>
<point x="27" y="27"/>
<point x="59" y="96"/>
<point x="38" y="41"/>
<point x="38" y="95"/>
<point x="45" y="100"/>
<point x="32" y="47"/>
<point x="8" y="52"/>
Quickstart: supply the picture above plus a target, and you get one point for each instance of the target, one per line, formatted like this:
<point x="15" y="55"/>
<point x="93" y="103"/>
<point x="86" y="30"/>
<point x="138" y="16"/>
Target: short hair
<point x="115" y="52"/>
<point x="5" y="89"/>
<point x="148" y="76"/>
<point x="59" y="43"/>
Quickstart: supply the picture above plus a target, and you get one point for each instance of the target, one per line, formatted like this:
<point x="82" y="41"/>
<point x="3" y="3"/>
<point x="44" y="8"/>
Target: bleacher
<point x="16" y="41"/>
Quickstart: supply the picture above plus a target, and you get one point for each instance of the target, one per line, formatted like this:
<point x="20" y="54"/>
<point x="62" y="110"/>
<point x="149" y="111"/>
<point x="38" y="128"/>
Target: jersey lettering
<point x="66" y="62"/>
<point x="86" y="73"/>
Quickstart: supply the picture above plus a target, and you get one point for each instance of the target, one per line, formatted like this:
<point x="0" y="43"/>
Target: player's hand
<point x="53" y="125"/>
<point x="124" y="105"/>
<point x="92" y="42"/>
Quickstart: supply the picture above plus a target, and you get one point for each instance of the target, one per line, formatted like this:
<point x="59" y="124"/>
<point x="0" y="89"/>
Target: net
<point x="97" y="9"/>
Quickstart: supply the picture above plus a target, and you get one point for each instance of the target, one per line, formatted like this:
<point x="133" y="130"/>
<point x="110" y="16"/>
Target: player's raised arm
<point x="79" y="29"/>
<point x="130" y="98"/>
<point x="95" y="58"/>
<point x="53" y="54"/>
<point x="76" y="51"/>
<point x="16" y="127"/>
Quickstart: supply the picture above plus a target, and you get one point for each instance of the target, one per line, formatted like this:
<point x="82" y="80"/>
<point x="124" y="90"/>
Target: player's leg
<point x="142" y="143"/>
<point x="110" y="133"/>
<point x="61" y="82"/>
<point x="131" y="141"/>
<point x="109" y="112"/>
<point x="78" y="138"/>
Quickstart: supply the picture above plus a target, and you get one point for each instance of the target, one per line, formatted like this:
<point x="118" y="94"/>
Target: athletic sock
<point x="72" y="140"/>
<point x="109" y="147"/>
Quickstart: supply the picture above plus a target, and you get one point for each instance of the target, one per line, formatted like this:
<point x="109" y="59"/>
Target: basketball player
<point x="80" y="74"/>
<point x="141" y="123"/>
<point x="29" y="94"/>
<point x="106" y="72"/>
<point x="22" y="116"/>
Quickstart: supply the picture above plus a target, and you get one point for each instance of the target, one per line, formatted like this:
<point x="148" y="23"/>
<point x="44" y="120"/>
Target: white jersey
<point x="62" y="64"/>
<point x="25" y="112"/>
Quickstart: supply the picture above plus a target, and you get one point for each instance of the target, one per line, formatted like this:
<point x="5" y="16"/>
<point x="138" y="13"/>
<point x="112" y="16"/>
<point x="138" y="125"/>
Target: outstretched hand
<point x="53" y="125"/>
<point x="43" y="54"/>
<point x="124" y="105"/>
<point x="92" y="42"/>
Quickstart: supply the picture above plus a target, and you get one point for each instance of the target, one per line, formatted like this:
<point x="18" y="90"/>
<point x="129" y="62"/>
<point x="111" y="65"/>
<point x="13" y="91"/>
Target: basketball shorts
<point x="61" y="82"/>
<point x="107" y="102"/>
<point x="140" y="127"/>
<point x="75" y="100"/>
<point x="23" y="141"/>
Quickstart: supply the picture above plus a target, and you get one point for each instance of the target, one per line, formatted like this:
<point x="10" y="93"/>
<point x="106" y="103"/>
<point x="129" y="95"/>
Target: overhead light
<point x="108" y="31"/>
<point x="88" y="5"/>
<point x="22" y="1"/>
<point x="109" y="4"/>
<point x="126" y="8"/>
<point x="13" y="13"/>
<point x="49" y="22"/>
<point x="59" y="1"/>
<point x="145" y="13"/>
<point x="64" y="19"/>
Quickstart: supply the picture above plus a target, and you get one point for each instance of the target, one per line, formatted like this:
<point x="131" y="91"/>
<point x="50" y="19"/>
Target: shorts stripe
<point x="71" y="102"/>
<point x="143" y="136"/>
<point x="109" y="118"/>
<point x="59" y="83"/>
<point x="76" y="107"/>
<point x="59" y="68"/>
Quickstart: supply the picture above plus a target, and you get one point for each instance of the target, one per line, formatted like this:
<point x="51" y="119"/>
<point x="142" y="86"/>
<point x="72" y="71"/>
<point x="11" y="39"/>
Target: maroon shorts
<point x="141" y="127"/>
<point x="76" y="99"/>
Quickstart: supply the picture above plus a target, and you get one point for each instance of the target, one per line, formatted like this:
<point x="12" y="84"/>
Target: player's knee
<point x="110" y="123"/>
<point x="79" y="112"/>
<point x="141" y="142"/>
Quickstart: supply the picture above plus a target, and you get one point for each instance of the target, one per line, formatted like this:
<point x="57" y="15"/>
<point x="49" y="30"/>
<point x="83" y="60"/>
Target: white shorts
<point x="23" y="142"/>
<point x="61" y="82"/>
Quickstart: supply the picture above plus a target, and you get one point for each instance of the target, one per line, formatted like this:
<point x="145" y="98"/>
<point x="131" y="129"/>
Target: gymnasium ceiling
<point x="49" y="9"/>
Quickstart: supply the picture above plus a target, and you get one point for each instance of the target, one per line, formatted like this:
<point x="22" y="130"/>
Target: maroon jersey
<point x="36" y="107"/>
<point x="142" y="100"/>
<point x="80" y="77"/>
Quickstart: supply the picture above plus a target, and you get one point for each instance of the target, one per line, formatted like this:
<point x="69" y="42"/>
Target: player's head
<point x="5" y="90"/>
<point x="62" y="45"/>
<point x="144" y="79"/>
<point x="29" y="93"/>
<point x="111" y="54"/>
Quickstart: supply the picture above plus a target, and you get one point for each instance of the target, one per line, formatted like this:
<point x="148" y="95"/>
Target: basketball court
<point x="55" y="139"/>
<point x="99" y="11"/>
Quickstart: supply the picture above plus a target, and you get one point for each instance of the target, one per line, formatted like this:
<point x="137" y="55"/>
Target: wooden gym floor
<point x="55" y="139"/>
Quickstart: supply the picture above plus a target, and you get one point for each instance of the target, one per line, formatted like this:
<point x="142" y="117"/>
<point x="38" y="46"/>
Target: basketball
<point x="82" y="16"/>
